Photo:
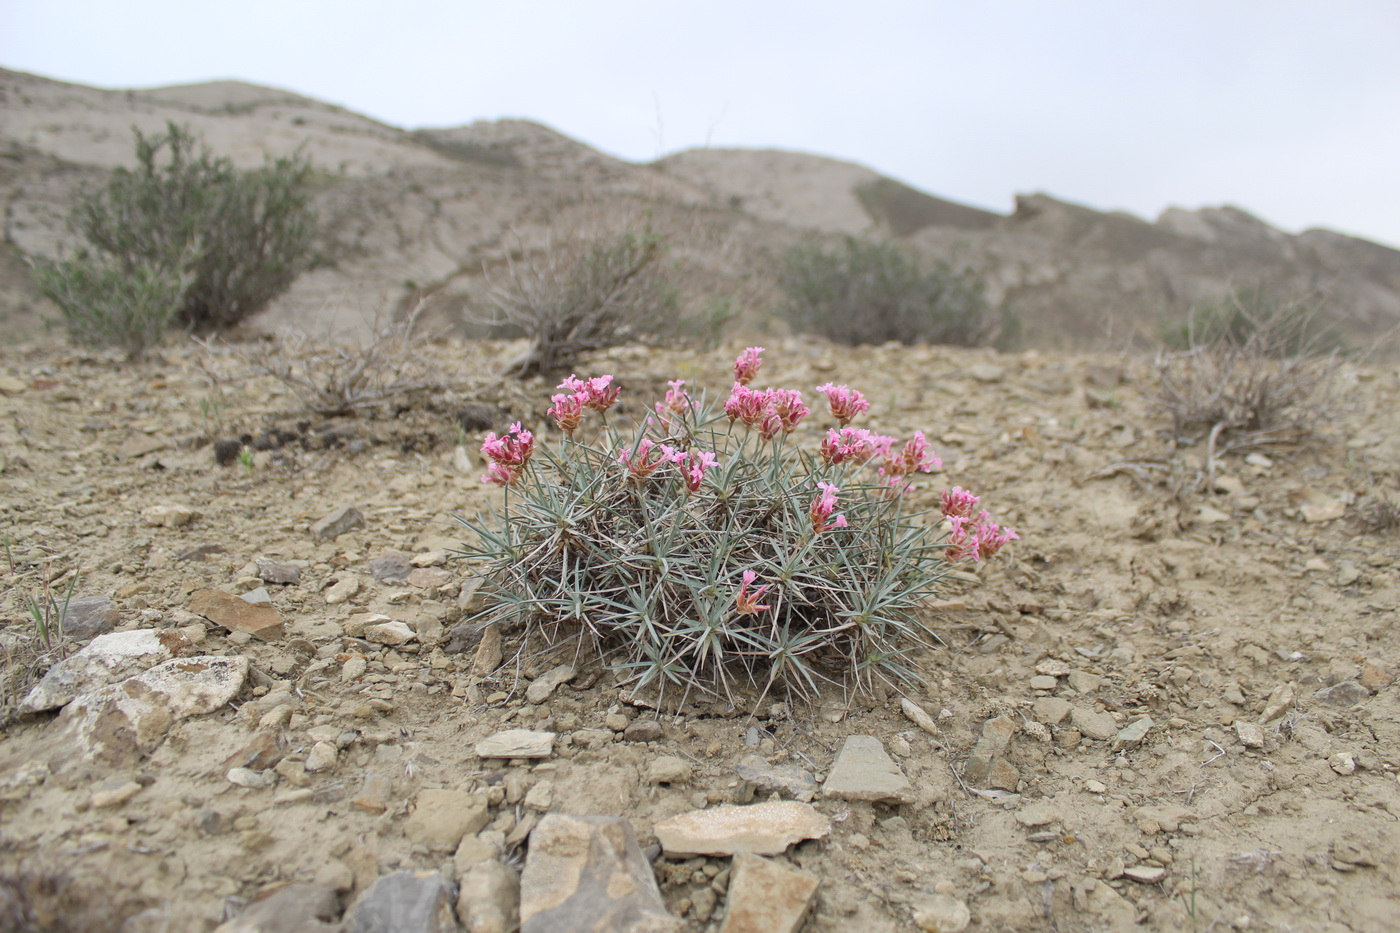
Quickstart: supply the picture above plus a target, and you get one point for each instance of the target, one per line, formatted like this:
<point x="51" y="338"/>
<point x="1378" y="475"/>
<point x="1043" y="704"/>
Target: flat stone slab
<point x="261" y="620"/>
<point x="863" y="771"/>
<point x="761" y="828"/>
<point x="588" y="873"/>
<point x="517" y="743"/>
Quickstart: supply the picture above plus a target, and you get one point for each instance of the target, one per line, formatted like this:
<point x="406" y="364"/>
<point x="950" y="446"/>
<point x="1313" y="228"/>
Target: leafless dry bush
<point x="342" y="377"/>
<point x="1259" y="385"/>
<point x="581" y="293"/>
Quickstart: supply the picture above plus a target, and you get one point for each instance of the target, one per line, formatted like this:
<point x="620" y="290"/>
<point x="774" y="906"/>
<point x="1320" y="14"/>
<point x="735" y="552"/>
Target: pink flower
<point x="991" y="537"/>
<point x="822" y="507"/>
<point x="640" y="464"/>
<point x="787" y="404"/>
<point x="747" y="364"/>
<point x="512" y="449"/>
<point x="746" y="405"/>
<point x="567" y="412"/>
<point x="958" y="501"/>
<point x="677" y="399"/>
<point x="598" y="395"/>
<point x="665" y="420"/>
<point x="895" y="484"/>
<point x="853" y="445"/>
<point x="501" y="475"/>
<point x="746" y="603"/>
<point x="770" y="425"/>
<point x="509" y="454"/>
<point x="845" y="403"/>
<point x="693" y="467"/>
<point x="916" y="456"/>
<point x="593" y="393"/>
<point x="961" y="544"/>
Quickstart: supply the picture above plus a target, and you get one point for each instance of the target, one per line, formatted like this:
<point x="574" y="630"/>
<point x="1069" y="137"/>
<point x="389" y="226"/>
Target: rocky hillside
<point x="432" y="212"/>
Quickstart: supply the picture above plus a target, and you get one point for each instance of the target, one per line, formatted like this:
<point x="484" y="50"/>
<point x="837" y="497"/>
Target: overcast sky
<point x="1287" y="108"/>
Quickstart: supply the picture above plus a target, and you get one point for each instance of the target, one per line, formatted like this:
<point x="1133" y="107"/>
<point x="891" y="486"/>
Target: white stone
<point x="763" y="828"/>
<point x="517" y="743"/>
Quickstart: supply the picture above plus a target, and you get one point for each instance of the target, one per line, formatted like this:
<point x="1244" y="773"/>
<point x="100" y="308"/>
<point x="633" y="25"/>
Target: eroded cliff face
<point x="433" y="212"/>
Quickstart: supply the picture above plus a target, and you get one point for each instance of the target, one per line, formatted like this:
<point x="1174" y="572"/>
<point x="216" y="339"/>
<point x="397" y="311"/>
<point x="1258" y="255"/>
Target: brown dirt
<point x="1192" y="610"/>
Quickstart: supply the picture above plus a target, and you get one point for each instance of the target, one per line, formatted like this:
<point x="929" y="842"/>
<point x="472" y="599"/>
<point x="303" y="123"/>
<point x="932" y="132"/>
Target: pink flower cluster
<point x="746" y="603"/>
<point x="747" y="364"/>
<point x="596" y="393"/>
<point x="641" y="464"/>
<point x="668" y="413"/>
<point x="822" y="507"/>
<point x="854" y="445"/>
<point x="509" y="455"/>
<point x="845" y="402"/>
<point x="770" y="411"/>
<point x="972" y="538"/>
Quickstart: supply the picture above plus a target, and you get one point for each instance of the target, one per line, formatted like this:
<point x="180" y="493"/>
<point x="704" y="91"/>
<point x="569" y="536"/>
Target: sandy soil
<point x="1192" y="610"/>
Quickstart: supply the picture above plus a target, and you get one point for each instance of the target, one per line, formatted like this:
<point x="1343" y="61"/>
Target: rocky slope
<point x="433" y="212"/>
<point x="1166" y="709"/>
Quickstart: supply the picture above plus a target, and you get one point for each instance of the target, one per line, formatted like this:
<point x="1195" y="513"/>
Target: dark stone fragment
<point x="90" y="616"/>
<point x="405" y="902"/>
<point x="226" y="451"/>
<point x="390" y="567"/>
<point x="477" y="416"/>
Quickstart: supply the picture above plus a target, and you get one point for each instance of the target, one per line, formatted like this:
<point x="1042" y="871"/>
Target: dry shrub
<point x="345" y="376"/>
<point x="1261" y="380"/>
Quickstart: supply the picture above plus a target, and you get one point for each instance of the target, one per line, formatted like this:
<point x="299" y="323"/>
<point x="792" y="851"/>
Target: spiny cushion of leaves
<point x="705" y="550"/>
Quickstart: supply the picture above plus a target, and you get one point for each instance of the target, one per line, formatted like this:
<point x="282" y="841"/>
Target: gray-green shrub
<point x="234" y="239"/>
<point x="870" y="292"/>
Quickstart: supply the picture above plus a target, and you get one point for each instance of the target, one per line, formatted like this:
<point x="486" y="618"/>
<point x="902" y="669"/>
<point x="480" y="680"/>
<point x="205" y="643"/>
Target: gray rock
<point x="488" y="898"/>
<point x="762" y="828"/>
<point x="918" y="715"/>
<point x="1279" y="702"/>
<point x="643" y="730"/>
<point x="271" y="571"/>
<point x="587" y="872"/>
<point x="517" y="743"/>
<point x="337" y="522"/>
<point x="788" y="780"/>
<point x="863" y="771"/>
<point x="982" y="763"/>
<point x="766" y="896"/>
<point x="405" y="902"/>
<point x="1250" y="735"/>
<point x="543" y="686"/>
<point x="1100" y="726"/>
<point x="296" y="908"/>
<point x="1134" y="732"/>
<point x="1346" y="693"/>
<point x="89" y="616"/>
<point x="390" y="567"/>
